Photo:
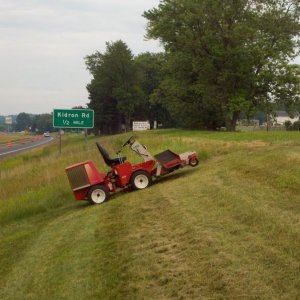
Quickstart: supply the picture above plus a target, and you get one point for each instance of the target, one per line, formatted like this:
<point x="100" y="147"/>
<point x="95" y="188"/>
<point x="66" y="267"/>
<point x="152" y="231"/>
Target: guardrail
<point x="10" y="144"/>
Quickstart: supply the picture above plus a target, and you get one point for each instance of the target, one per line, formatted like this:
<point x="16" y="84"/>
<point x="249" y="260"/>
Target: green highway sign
<point x="73" y="118"/>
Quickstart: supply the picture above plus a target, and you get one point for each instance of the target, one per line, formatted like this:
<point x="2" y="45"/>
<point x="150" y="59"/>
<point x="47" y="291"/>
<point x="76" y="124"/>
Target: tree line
<point x="221" y="59"/>
<point x="121" y="88"/>
<point x="31" y="123"/>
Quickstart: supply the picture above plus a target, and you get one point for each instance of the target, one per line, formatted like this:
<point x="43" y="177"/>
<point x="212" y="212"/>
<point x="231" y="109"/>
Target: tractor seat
<point x="109" y="161"/>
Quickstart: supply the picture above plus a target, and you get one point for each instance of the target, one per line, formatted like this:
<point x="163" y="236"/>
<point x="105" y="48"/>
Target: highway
<point x="6" y="151"/>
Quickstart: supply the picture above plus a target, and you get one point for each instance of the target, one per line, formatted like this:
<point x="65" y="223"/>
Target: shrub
<point x="288" y="125"/>
<point x="296" y="125"/>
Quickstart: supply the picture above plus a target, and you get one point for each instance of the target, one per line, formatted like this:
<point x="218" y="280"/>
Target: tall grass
<point x="35" y="181"/>
<point x="41" y="171"/>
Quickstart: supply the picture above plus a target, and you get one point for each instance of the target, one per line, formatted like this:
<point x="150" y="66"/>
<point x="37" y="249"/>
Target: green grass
<point x="228" y="229"/>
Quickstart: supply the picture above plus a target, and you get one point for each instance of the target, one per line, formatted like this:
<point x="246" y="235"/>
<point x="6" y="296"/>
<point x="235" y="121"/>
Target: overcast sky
<point x="43" y="43"/>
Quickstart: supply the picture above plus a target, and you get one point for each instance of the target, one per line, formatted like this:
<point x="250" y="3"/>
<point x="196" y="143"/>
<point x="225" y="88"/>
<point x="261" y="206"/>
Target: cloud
<point x="70" y="16"/>
<point x="43" y="44"/>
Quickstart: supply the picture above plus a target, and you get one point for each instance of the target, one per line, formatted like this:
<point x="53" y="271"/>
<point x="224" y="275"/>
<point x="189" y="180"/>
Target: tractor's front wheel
<point x="140" y="180"/>
<point x="98" y="194"/>
<point x="194" y="162"/>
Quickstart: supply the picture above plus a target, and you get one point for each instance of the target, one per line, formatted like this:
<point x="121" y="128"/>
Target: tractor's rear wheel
<point x="140" y="180"/>
<point x="98" y="194"/>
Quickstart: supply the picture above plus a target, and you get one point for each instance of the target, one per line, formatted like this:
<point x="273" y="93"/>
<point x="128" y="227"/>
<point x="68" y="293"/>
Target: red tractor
<point x="89" y="184"/>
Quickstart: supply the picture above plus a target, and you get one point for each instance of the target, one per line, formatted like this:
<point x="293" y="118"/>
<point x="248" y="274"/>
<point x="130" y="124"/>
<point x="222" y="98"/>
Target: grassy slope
<point x="225" y="230"/>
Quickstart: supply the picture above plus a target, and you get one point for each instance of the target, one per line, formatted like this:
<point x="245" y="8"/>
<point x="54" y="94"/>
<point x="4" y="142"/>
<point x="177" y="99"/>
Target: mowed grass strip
<point x="13" y="137"/>
<point x="228" y="229"/>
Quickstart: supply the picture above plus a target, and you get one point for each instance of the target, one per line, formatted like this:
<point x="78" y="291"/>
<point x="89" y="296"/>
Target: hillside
<point x="228" y="229"/>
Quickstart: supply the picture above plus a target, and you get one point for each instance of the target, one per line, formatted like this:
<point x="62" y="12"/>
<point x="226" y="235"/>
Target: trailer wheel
<point x="194" y="162"/>
<point x="140" y="180"/>
<point x="98" y="194"/>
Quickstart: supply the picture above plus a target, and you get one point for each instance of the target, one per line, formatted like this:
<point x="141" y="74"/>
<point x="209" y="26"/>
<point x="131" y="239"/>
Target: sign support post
<point x="59" y="141"/>
<point x="85" y="137"/>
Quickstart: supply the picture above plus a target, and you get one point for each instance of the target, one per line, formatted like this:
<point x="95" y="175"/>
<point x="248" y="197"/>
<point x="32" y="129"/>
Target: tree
<point x="150" y="67"/>
<point x="43" y="123"/>
<point x="114" y="91"/>
<point x="225" y="57"/>
<point x="24" y="121"/>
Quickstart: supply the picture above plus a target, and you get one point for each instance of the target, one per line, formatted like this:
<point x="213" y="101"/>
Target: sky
<point x="43" y="44"/>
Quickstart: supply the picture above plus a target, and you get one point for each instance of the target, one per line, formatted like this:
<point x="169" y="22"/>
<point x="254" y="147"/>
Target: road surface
<point x="17" y="148"/>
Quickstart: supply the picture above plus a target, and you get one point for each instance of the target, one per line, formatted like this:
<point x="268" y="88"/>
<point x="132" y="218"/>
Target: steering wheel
<point x="128" y="141"/>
